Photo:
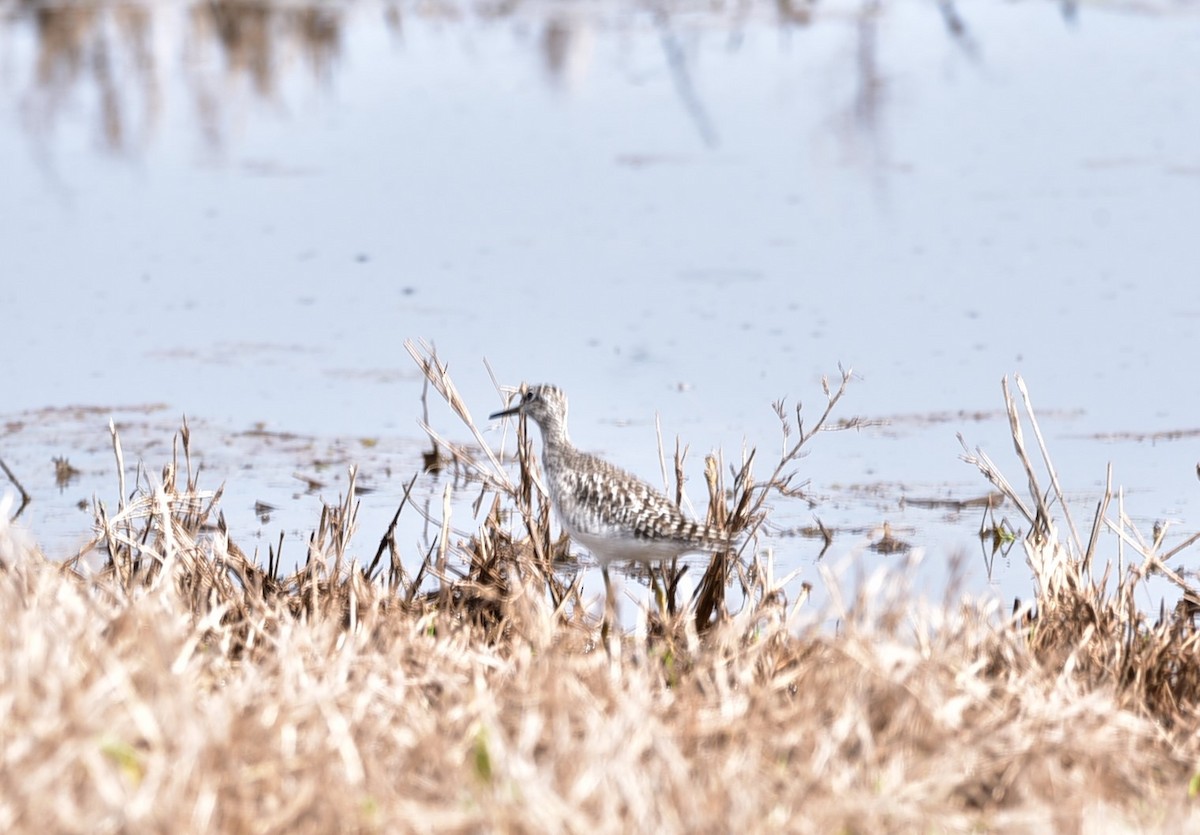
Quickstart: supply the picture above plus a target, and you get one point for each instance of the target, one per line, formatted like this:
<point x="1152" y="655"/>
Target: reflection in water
<point x="956" y="27"/>
<point x="119" y="55"/>
<point x="562" y="48"/>
<point x="110" y="51"/>
<point x="252" y="36"/>
<point x="254" y="41"/>
<point x="794" y="12"/>
<point x="863" y="126"/>
<point x="678" y="62"/>
<point x="107" y="48"/>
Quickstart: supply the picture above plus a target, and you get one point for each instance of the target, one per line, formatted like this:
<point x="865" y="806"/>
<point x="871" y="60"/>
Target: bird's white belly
<point x="617" y="547"/>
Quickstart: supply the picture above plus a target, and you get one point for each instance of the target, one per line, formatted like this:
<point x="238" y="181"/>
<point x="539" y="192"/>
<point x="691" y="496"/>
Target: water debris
<point x="887" y="542"/>
<point x="64" y="473"/>
<point x="312" y="484"/>
<point x="993" y="499"/>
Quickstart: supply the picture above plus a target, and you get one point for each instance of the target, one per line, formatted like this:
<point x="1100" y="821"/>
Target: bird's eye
<point x="528" y="398"/>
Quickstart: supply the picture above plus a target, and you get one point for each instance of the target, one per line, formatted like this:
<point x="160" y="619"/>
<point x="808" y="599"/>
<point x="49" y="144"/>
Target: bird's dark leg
<point x="610" y="608"/>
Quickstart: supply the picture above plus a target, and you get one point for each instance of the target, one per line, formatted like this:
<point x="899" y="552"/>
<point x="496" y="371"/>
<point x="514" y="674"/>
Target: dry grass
<point x="184" y="689"/>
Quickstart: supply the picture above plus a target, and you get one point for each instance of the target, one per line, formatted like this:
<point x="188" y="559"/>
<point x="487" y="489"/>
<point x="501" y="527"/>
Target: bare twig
<point x="1037" y="433"/>
<point x="16" y="483"/>
<point x="437" y="373"/>
<point x="388" y="540"/>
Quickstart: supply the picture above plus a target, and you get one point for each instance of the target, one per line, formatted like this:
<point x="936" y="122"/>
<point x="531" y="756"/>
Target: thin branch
<point x="1037" y="433"/>
<point x="16" y="483"/>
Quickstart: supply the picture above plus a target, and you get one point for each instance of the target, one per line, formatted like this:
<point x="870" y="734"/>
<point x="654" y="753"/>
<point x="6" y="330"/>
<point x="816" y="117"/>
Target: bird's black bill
<point x="505" y="413"/>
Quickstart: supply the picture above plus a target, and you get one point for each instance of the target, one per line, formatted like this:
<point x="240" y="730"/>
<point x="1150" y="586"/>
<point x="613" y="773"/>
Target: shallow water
<point x="240" y="213"/>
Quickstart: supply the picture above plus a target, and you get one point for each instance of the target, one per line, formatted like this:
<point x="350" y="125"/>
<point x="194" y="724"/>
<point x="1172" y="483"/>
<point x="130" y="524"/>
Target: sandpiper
<point x="612" y="513"/>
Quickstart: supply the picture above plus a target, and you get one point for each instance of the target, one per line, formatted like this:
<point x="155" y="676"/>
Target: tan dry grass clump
<point x="184" y="689"/>
<point x="135" y="713"/>
<point x="1084" y="619"/>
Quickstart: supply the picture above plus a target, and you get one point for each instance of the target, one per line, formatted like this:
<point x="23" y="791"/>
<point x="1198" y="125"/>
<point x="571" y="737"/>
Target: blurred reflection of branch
<point x="677" y="62"/>
<point x="106" y="52"/>
<point x="106" y="46"/>
<point x="869" y="97"/>
<point x="794" y="12"/>
<point x="242" y="30"/>
<point x="860" y="129"/>
<point x="110" y="57"/>
<point x="957" y="28"/>
<point x="567" y="45"/>
<point x="254" y="38"/>
<point x="556" y="47"/>
<point x="393" y="19"/>
<point x="866" y="120"/>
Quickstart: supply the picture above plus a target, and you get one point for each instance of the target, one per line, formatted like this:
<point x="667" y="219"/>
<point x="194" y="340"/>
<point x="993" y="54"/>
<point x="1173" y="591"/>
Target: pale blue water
<point x="690" y="215"/>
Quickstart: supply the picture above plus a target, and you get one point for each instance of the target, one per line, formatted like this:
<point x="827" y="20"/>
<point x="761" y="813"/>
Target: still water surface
<point x="239" y="212"/>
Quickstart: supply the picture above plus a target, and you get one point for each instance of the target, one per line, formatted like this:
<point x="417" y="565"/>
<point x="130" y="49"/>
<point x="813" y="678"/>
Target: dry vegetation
<point x="185" y="689"/>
